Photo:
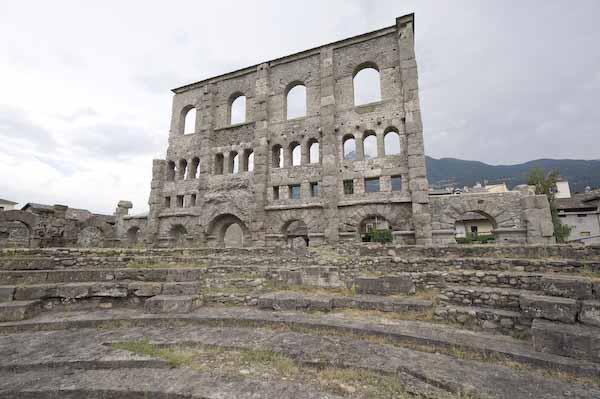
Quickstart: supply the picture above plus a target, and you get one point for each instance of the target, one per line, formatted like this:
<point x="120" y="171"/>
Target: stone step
<point x="13" y="277"/>
<point x="590" y="313"/>
<point x="172" y="303"/>
<point x="554" y="284"/>
<point x="488" y="319"/>
<point x="573" y="340"/>
<point x="82" y="290"/>
<point x="549" y="307"/>
<point x="18" y="310"/>
<point x="301" y="301"/>
<point x="471" y="295"/>
<point x="385" y="285"/>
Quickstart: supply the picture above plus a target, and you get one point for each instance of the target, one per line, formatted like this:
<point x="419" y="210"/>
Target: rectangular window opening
<point x="294" y="191"/>
<point x="348" y="187"/>
<point x="396" y="183"/>
<point x="372" y="185"/>
<point x="193" y="200"/>
<point x="275" y="193"/>
<point x="315" y="189"/>
<point x="167" y="202"/>
<point x="180" y="201"/>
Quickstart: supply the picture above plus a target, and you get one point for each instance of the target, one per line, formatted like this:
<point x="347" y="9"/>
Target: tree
<point x="545" y="183"/>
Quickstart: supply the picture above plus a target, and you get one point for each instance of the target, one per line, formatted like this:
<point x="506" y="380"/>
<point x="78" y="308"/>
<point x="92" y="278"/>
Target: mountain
<point x="459" y="173"/>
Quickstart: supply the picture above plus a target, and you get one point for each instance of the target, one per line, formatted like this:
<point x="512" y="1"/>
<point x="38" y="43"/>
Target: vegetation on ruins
<point x="378" y="235"/>
<point x="545" y="183"/>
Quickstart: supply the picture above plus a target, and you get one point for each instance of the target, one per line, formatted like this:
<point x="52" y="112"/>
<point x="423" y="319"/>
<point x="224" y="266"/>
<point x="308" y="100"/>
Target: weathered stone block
<point x="108" y="290"/>
<point x="184" y="288"/>
<point x="34" y="292"/>
<point x="551" y="308"/>
<point x="590" y="313"/>
<point x="322" y="304"/>
<point x="572" y="340"/>
<point x="172" y="304"/>
<point x="567" y="286"/>
<point x="18" y="310"/>
<point x="6" y="293"/>
<point x="266" y="301"/>
<point x="74" y="291"/>
<point x="145" y="289"/>
<point x="386" y="285"/>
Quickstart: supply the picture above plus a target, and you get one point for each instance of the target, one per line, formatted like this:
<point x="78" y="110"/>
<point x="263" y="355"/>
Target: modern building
<point x="6" y="205"/>
<point x="581" y="212"/>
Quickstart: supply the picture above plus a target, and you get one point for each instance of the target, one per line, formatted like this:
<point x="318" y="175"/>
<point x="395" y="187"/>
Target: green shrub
<point x="379" y="235"/>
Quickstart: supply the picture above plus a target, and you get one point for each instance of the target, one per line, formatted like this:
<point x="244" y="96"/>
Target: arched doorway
<point x="474" y="227"/>
<point x="178" y="234"/>
<point x="229" y="231"/>
<point x="233" y="236"/>
<point x="296" y="234"/>
<point x="375" y="228"/>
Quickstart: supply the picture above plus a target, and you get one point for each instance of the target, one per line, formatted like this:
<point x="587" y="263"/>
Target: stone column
<point x="380" y="144"/>
<point x="261" y="154"/>
<point x="329" y="189"/>
<point x="155" y="201"/>
<point x="417" y="173"/>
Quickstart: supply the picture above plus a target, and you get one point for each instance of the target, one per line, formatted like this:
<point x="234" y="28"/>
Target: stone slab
<point x="18" y="310"/>
<point x="550" y="308"/>
<point x="567" y="286"/>
<point x="7" y="293"/>
<point x="590" y="313"/>
<point x="181" y="288"/>
<point x="171" y="304"/>
<point x="385" y="285"/>
<point x="576" y="340"/>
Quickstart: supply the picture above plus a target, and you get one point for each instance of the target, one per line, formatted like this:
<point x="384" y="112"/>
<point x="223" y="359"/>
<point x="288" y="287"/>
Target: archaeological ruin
<point x="293" y="249"/>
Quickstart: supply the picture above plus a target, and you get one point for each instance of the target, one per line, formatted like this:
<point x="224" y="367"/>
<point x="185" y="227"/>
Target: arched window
<point x="370" y="145"/>
<point x="237" y="110"/>
<point x="295" y="104"/>
<point x="234" y="162"/>
<point x="170" y="171"/>
<point x="182" y="169"/>
<point x="248" y="161"/>
<point x="391" y="142"/>
<point x="367" y="87"/>
<point x="295" y="154"/>
<point x="313" y="151"/>
<point x="194" y="171"/>
<point x="189" y="121"/>
<point x="219" y="164"/>
<point x="349" y="148"/>
<point x="277" y="156"/>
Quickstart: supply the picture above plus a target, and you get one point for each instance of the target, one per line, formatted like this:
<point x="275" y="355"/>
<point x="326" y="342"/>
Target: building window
<point x="275" y="193"/>
<point x="396" y="183"/>
<point x="294" y="191"/>
<point x="581" y="215"/>
<point x="372" y="185"/>
<point x="367" y="85"/>
<point x="315" y="189"/>
<point x="585" y="234"/>
<point x="237" y="109"/>
<point x="295" y="154"/>
<point x="167" y="202"/>
<point x="349" y="144"/>
<point x="348" y="187"/>
<point x="370" y="146"/>
<point x="277" y="156"/>
<point x="180" y="201"/>
<point x="391" y="143"/>
<point x="313" y="151"/>
<point x="295" y="103"/>
<point x="189" y="121"/>
<point x="219" y="164"/>
<point x="192" y="200"/>
<point x="248" y="165"/>
<point x="234" y="162"/>
<point x="171" y="171"/>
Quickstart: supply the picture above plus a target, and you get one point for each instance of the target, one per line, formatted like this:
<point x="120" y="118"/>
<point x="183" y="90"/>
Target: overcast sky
<point x="85" y="86"/>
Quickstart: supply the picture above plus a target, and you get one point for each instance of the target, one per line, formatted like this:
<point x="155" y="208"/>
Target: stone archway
<point x="229" y="231"/>
<point x="474" y="226"/>
<point x="372" y="223"/>
<point x="133" y="235"/>
<point x="296" y="234"/>
<point x="17" y="229"/>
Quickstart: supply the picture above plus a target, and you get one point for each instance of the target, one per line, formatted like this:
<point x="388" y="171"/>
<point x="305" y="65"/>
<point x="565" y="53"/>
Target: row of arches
<point x="296" y="153"/>
<point x="367" y="89"/>
<point x="183" y="170"/>
<point x="370" y="145"/>
<point x="234" y="162"/>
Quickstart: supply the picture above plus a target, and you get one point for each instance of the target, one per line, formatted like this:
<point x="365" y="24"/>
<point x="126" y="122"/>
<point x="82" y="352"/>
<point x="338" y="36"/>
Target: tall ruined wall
<point x="196" y="209"/>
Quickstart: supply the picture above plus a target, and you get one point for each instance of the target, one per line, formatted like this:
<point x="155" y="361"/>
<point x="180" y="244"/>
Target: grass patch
<point x="273" y="285"/>
<point x="176" y="357"/>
